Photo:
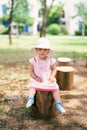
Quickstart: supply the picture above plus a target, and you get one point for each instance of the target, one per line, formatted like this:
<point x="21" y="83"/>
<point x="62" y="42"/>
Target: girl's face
<point x="42" y="52"/>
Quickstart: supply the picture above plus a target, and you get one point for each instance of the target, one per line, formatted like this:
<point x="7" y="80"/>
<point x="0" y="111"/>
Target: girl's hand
<point x="38" y="79"/>
<point x="52" y="79"/>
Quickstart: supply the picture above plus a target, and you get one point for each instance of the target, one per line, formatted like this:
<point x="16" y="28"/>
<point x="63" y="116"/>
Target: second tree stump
<point x="65" y="77"/>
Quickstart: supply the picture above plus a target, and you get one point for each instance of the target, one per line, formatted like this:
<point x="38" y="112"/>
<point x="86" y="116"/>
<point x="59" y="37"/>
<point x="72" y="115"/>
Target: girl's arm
<point x="33" y="75"/>
<point x="53" y="73"/>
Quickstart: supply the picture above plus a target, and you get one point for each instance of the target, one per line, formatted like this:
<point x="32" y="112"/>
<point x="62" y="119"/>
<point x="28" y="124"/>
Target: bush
<point x="53" y="29"/>
<point x="85" y="32"/>
<point x="30" y="21"/>
<point x="3" y="29"/>
<point x="64" y="30"/>
<point x="86" y="26"/>
<point x="6" y="31"/>
<point x="78" y="33"/>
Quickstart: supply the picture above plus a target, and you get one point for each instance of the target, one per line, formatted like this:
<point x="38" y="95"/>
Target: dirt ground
<point x="13" y="93"/>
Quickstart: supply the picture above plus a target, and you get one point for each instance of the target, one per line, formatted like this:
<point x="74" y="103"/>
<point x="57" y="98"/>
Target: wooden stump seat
<point x="64" y="61"/>
<point x="44" y="106"/>
<point x="65" y="77"/>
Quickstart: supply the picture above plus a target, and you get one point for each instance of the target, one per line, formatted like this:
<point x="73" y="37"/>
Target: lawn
<point x="74" y="47"/>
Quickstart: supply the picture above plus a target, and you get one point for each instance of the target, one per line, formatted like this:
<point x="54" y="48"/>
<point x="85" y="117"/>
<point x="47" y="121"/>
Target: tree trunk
<point x="44" y="106"/>
<point x="83" y="30"/>
<point x="44" y="20"/>
<point x="10" y="21"/>
<point x="45" y="12"/>
<point x="42" y="30"/>
<point x="10" y="39"/>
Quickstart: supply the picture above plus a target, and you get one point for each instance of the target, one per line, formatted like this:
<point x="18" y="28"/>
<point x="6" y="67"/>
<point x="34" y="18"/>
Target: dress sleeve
<point x="31" y="60"/>
<point x="53" y="61"/>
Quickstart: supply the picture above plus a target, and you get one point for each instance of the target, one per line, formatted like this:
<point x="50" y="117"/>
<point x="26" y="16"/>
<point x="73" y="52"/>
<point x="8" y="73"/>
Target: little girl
<point x="42" y="74"/>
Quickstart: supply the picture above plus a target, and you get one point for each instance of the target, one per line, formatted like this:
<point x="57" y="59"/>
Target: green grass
<point x="21" y="51"/>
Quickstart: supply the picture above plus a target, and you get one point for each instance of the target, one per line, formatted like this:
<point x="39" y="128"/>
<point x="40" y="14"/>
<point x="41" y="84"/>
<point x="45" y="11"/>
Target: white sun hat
<point x="43" y="43"/>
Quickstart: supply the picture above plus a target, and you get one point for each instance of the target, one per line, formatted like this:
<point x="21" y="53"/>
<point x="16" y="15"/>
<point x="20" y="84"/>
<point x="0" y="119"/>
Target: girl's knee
<point x="57" y="91"/>
<point x="32" y="91"/>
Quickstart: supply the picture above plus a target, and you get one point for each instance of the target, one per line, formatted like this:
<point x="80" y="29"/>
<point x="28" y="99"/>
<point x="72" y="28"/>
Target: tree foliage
<point x="48" y="14"/>
<point x="55" y="14"/>
<point x="82" y="11"/>
<point x="17" y="11"/>
<point x="20" y="11"/>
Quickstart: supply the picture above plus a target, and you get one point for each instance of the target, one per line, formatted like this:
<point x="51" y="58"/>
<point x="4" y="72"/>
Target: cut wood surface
<point x="64" y="61"/>
<point x="65" y="68"/>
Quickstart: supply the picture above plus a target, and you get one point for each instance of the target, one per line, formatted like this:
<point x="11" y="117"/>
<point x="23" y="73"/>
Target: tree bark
<point x="83" y="30"/>
<point x="10" y="21"/>
<point x="44" y="20"/>
<point x="44" y="106"/>
<point x="45" y="12"/>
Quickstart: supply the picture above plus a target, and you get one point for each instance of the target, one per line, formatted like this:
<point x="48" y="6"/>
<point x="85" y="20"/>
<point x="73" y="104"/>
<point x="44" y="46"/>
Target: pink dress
<point x="42" y="68"/>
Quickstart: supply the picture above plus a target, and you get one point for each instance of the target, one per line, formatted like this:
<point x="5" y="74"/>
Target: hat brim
<point x="34" y="49"/>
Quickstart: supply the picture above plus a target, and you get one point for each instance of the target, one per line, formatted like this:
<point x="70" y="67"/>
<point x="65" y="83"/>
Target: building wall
<point x="69" y="7"/>
<point x="34" y="9"/>
<point x="3" y="3"/>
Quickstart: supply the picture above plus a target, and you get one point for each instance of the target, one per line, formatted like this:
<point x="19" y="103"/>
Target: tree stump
<point x="65" y="77"/>
<point x="44" y="106"/>
<point x="64" y="61"/>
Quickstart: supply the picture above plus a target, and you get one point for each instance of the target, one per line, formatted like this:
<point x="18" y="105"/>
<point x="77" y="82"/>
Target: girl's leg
<point x="31" y="92"/>
<point x="30" y="102"/>
<point x="56" y="96"/>
<point x="58" y="103"/>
